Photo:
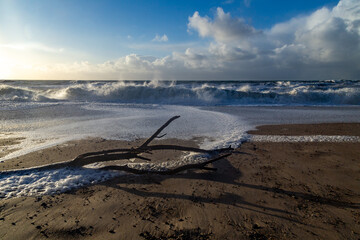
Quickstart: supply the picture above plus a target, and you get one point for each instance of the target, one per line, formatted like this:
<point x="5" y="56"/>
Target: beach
<point x="293" y="173"/>
<point x="181" y="120"/>
<point x="264" y="190"/>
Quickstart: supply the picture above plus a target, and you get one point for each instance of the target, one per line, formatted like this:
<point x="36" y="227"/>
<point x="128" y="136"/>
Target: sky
<point x="179" y="39"/>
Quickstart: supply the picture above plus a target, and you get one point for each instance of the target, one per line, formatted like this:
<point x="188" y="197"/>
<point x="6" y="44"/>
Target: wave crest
<point x="191" y="93"/>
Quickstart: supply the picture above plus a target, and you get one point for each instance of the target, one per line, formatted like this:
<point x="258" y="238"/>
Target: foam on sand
<point x="311" y="138"/>
<point x="32" y="182"/>
<point x="36" y="182"/>
<point x="125" y="122"/>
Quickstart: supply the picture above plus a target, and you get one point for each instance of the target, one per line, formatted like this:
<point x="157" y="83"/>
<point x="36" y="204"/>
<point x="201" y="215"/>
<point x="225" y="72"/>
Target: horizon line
<point x="213" y="80"/>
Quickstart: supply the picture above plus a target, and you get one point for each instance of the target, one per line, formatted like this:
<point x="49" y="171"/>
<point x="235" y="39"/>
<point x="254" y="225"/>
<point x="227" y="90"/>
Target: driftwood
<point x="169" y="171"/>
<point x="131" y="153"/>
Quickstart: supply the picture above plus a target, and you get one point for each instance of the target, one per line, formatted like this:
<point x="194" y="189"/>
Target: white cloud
<point x="322" y="45"/>
<point x="159" y="38"/>
<point x="165" y="47"/>
<point x="226" y="52"/>
<point x="223" y="28"/>
<point x="325" y="36"/>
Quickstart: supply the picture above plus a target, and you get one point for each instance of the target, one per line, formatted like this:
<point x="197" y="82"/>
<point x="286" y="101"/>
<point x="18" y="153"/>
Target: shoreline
<point x="69" y="150"/>
<point x="273" y="190"/>
<point x="341" y="129"/>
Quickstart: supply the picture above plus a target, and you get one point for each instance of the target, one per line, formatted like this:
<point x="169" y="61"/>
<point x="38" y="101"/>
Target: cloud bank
<point x="322" y="45"/>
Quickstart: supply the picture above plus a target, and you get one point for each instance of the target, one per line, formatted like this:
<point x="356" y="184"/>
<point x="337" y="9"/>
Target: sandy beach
<point x="264" y="190"/>
<point x="182" y="120"/>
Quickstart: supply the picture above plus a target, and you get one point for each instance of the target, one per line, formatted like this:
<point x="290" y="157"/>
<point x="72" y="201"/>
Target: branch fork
<point x="130" y="153"/>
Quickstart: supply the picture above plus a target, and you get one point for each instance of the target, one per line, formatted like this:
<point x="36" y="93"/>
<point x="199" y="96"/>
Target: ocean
<point x="47" y="113"/>
<point x="188" y="93"/>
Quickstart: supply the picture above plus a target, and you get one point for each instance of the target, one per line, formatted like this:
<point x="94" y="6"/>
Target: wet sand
<point x="262" y="191"/>
<point x="5" y="145"/>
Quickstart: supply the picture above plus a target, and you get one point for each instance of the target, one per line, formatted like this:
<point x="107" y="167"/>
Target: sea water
<point x="47" y="113"/>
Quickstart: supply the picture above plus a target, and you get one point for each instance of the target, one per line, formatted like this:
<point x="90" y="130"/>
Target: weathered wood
<point x="129" y="153"/>
<point x="202" y="165"/>
<point x="158" y="132"/>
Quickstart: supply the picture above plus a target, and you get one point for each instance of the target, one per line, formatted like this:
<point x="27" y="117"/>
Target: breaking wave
<point x="331" y="92"/>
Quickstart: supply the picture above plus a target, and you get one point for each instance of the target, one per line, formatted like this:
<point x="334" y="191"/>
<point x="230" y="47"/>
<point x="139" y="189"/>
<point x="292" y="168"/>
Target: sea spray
<point x="189" y="93"/>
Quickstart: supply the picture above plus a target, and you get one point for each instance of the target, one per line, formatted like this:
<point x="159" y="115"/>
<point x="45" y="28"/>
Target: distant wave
<point x="329" y="92"/>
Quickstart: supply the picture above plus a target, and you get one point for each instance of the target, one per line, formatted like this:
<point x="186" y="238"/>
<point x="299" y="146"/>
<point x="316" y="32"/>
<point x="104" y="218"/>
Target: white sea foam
<point x="45" y="114"/>
<point x="127" y="123"/>
<point x="191" y="93"/>
<point x="48" y="182"/>
<point x="311" y="138"/>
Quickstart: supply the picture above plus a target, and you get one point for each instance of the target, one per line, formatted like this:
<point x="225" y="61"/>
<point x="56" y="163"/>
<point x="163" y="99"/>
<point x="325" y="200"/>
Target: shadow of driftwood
<point x="227" y="174"/>
<point x="227" y="199"/>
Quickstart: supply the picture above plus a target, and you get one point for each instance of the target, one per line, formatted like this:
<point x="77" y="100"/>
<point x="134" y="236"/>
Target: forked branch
<point x="202" y="165"/>
<point x="129" y="153"/>
<point x="146" y="143"/>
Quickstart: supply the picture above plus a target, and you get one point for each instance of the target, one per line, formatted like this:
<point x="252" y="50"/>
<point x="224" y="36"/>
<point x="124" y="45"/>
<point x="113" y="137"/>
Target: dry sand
<point x="262" y="191"/>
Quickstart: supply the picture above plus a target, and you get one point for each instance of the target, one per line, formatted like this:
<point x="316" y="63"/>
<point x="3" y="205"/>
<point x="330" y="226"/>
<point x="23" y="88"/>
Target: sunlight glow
<point x="5" y="67"/>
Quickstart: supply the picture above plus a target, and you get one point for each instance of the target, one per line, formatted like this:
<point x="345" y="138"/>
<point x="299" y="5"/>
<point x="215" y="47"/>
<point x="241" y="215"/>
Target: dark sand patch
<point x="330" y="129"/>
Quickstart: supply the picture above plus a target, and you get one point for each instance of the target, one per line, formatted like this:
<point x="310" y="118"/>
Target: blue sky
<point x="93" y="39"/>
